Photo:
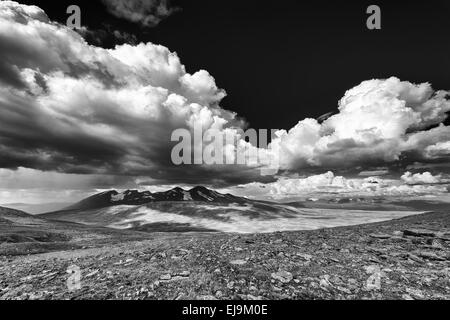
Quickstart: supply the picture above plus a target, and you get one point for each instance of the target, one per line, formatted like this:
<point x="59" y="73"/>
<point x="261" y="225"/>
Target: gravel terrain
<point x="408" y="258"/>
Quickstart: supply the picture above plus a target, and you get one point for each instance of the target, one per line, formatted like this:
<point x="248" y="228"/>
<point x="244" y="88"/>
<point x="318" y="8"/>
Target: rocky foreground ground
<point x="407" y="258"/>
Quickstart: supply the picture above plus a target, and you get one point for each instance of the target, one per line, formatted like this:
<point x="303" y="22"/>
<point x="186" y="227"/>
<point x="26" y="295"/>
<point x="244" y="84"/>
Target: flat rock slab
<point x="430" y="256"/>
<point x="419" y="233"/>
<point x="380" y="236"/>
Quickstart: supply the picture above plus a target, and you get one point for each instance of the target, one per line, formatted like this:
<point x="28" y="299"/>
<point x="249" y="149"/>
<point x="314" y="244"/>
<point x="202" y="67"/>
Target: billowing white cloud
<point x="438" y="151"/>
<point x="83" y="109"/>
<point x="421" y="178"/>
<point x="331" y="185"/>
<point x="71" y="107"/>
<point x="378" y="122"/>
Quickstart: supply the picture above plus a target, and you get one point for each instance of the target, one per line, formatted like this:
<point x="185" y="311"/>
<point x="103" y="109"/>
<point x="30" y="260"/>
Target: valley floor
<point x="389" y="260"/>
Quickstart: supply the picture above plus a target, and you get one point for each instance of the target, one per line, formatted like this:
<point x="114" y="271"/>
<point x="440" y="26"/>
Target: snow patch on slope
<point x="205" y="196"/>
<point x="117" y="197"/>
<point x="187" y="196"/>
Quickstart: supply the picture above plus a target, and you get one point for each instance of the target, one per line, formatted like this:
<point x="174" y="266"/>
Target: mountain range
<point x="202" y="209"/>
<point x="135" y="197"/>
<point x="196" y="209"/>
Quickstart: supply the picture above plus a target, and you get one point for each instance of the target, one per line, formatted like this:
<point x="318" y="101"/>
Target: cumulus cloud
<point x="71" y="107"/>
<point x="438" y="151"/>
<point x="148" y="13"/>
<point x="330" y="185"/>
<point x="421" y="178"/>
<point x="322" y="183"/>
<point x="83" y="109"/>
<point x="379" y="121"/>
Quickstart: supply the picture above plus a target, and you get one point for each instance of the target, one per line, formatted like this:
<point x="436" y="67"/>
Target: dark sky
<point x="283" y="61"/>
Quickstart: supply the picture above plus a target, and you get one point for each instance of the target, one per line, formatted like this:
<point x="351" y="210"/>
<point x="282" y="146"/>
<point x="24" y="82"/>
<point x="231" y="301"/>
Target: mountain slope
<point x="36" y="208"/>
<point x="288" y="265"/>
<point x="201" y="209"/>
<point x="22" y="234"/>
<point x="134" y="197"/>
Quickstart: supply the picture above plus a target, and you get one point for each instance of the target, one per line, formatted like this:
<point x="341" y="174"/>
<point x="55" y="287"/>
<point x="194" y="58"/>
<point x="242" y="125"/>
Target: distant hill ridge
<point x="135" y="197"/>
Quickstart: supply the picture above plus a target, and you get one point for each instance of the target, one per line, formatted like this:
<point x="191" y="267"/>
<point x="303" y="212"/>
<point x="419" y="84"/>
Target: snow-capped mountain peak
<point x="135" y="197"/>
